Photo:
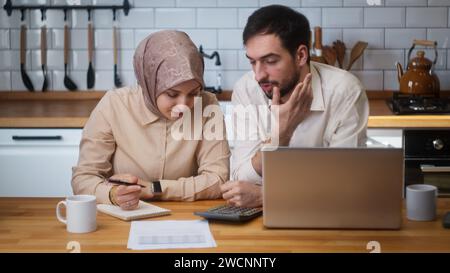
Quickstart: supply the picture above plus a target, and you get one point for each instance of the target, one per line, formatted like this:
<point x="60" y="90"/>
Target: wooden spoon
<point x="329" y="54"/>
<point x="357" y="51"/>
<point x="339" y="47"/>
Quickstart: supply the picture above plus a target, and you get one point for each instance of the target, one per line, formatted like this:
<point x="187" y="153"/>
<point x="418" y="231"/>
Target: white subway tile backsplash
<point x="384" y="17"/>
<point x="441" y="35"/>
<point x="137" y="18"/>
<point x="382" y="59"/>
<point x="243" y="15"/>
<point x="441" y="3"/>
<point x="217" y="25"/>
<point x="33" y="38"/>
<point x="197" y="3"/>
<point x="403" y="37"/>
<point x="342" y="17"/>
<point x="375" y="37"/>
<point x="12" y="60"/>
<point x="4" y="39"/>
<point x="80" y="60"/>
<point x="230" y="39"/>
<point x="331" y="35"/>
<point x="153" y="3"/>
<point x="448" y="59"/>
<point x="243" y="62"/>
<point x="322" y="3"/>
<point x="228" y="58"/>
<point x="203" y="37"/>
<point x="402" y="3"/>
<point x="426" y="17"/>
<point x="104" y="39"/>
<point x="372" y="80"/>
<point x="217" y="18"/>
<point x="444" y="78"/>
<point x="125" y="60"/>
<point x="229" y="78"/>
<point x="360" y="3"/>
<point x="6" y="60"/>
<point x="164" y="18"/>
<point x="104" y="80"/>
<point x="55" y="59"/>
<point x="289" y="3"/>
<point x="314" y="15"/>
<point x="103" y="60"/>
<point x="140" y="35"/>
<point x="5" y="80"/>
<point x="237" y="3"/>
<point x="53" y="19"/>
<point x="12" y="21"/>
<point x="391" y="80"/>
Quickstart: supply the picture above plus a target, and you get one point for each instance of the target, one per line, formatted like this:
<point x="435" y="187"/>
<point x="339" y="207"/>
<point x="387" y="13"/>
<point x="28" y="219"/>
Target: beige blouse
<point x="123" y="136"/>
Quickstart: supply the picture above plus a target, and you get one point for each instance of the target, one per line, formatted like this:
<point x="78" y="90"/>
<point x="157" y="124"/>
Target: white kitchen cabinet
<point x="37" y="162"/>
<point x="388" y="137"/>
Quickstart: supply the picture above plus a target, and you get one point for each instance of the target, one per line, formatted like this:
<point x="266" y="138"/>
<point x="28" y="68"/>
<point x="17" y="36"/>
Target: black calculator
<point x="230" y="213"/>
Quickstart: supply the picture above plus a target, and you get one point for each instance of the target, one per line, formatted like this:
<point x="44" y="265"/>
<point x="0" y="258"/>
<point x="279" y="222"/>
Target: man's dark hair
<point x="289" y="25"/>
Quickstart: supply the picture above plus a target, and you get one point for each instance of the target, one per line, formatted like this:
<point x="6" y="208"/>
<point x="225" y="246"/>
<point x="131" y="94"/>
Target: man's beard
<point x="286" y="88"/>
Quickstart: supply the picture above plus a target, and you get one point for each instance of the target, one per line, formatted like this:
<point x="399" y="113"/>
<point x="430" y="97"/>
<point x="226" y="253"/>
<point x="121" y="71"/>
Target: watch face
<point x="156" y="187"/>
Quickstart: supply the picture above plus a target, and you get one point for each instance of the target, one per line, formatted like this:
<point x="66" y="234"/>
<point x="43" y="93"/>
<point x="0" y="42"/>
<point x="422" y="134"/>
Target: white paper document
<point x="170" y="234"/>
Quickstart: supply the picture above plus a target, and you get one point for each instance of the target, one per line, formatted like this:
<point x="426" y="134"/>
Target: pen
<point x="121" y="182"/>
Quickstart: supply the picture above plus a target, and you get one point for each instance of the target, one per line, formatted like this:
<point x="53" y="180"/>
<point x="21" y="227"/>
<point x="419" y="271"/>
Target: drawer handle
<point x="434" y="169"/>
<point x="37" y="137"/>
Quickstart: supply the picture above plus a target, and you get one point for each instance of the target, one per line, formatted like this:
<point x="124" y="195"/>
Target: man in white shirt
<point x="318" y="105"/>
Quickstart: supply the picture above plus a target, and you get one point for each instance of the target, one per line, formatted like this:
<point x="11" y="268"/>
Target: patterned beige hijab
<point x="163" y="60"/>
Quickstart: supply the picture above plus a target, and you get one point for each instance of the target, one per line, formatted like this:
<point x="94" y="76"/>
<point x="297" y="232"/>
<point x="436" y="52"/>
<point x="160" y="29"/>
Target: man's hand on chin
<point x="242" y="194"/>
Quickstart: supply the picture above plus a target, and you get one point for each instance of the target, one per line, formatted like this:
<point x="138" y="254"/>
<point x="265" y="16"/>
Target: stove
<point x="415" y="104"/>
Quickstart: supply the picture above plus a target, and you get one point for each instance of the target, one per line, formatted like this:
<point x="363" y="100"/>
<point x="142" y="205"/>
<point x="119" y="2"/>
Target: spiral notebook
<point x="144" y="210"/>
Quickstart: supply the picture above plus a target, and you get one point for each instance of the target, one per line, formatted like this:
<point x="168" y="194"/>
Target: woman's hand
<point x="127" y="197"/>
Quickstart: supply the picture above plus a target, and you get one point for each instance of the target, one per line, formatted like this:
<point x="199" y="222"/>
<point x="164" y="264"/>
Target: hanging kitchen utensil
<point x="117" y="81"/>
<point x="23" y="56"/>
<point x="329" y="54"/>
<point x="44" y="56"/>
<point x="340" y="49"/>
<point x="90" y="72"/>
<point x="68" y="83"/>
<point x="357" y="51"/>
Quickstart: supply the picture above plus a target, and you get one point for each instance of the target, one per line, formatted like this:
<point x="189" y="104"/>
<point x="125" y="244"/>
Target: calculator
<point x="230" y="213"/>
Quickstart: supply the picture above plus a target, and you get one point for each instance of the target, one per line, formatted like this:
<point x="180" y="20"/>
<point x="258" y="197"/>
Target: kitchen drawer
<point x="37" y="162"/>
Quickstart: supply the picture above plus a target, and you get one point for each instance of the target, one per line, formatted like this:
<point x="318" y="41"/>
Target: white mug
<point x="81" y="213"/>
<point x="421" y="202"/>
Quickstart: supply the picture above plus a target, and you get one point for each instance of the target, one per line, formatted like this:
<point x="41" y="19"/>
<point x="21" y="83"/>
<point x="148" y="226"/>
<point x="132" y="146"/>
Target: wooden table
<point x="30" y="225"/>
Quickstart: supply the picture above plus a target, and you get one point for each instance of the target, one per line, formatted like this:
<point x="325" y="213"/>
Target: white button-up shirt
<point x="338" y="118"/>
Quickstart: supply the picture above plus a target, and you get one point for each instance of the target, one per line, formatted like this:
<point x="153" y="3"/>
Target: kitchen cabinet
<point x="37" y="162"/>
<point x="388" y="137"/>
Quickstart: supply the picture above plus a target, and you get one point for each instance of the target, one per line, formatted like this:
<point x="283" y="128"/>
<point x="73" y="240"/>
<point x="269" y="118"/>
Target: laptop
<point x="332" y="188"/>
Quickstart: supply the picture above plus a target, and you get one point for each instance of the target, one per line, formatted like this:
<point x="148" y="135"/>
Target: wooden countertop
<point x="72" y="109"/>
<point x="30" y="225"/>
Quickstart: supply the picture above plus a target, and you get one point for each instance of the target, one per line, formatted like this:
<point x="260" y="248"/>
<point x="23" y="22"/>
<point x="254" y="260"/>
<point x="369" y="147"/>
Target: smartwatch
<point x="156" y="188"/>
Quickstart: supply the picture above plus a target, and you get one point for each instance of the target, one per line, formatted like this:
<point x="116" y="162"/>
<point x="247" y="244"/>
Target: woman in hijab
<point x="129" y="135"/>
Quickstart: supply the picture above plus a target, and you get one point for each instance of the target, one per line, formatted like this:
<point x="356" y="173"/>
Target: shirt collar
<point x="316" y="85"/>
<point x="145" y="115"/>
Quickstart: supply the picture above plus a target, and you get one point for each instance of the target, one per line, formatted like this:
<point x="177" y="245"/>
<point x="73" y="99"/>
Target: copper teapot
<point x="420" y="78"/>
